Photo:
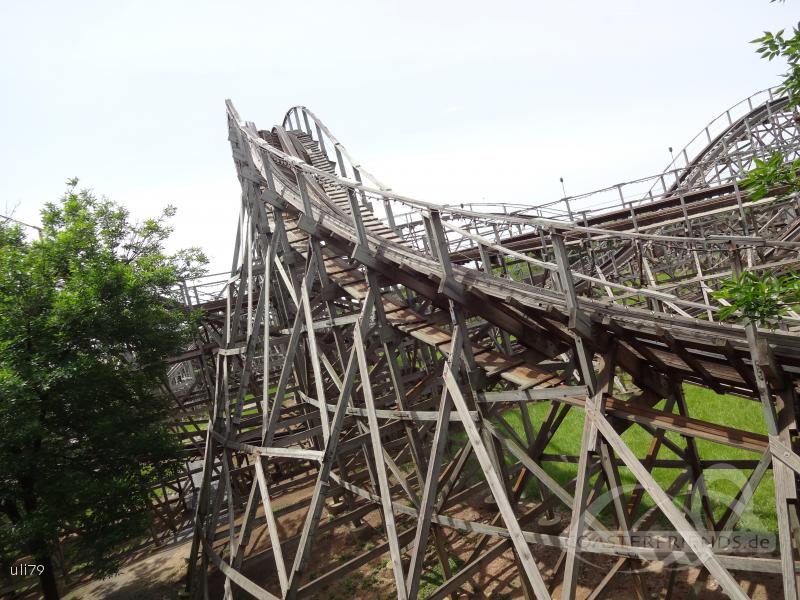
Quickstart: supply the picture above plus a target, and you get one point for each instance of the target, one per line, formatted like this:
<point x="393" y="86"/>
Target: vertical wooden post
<point x="785" y="489"/>
<point x="438" y="243"/>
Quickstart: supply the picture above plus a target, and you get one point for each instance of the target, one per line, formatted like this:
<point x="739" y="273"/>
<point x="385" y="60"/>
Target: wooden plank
<point x="546" y="480"/>
<point x="377" y="452"/>
<point x="438" y="445"/>
<point x="311" y="522"/>
<point x="533" y="395"/>
<point x="694" y="540"/>
<point x="243" y="582"/>
<point x="691" y="361"/>
<point x="311" y="339"/>
<point x="272" y="526"/>
<point x="579" y="510"/>
<point x="498" y="491"/>
<point x="784" y="454"/>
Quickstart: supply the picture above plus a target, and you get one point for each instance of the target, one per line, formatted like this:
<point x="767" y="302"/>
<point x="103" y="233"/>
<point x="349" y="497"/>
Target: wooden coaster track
<point x="379" y="346"/>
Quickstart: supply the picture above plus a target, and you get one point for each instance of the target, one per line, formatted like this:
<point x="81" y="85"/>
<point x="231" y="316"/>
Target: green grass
<point x="431" y="579"/>
<point x="722" y="484"/>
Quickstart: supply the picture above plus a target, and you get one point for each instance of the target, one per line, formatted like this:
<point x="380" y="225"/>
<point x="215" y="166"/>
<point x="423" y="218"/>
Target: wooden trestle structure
<point x="381" y="345"/>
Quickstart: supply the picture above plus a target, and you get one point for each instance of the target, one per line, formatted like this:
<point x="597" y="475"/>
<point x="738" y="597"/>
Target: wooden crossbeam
<point x="691" y="361"/>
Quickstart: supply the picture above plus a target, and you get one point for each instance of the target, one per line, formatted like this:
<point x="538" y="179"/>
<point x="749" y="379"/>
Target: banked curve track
<point x="383" y="346"/>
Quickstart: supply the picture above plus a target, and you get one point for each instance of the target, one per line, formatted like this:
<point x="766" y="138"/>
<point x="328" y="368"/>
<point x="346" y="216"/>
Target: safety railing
<point x="436" y="232"/>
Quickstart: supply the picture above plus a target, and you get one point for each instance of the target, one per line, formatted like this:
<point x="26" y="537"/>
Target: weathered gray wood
<point x="546" y="480"/>
<point x="693" y="539"/>
<point x="239" y="579"/>
<point x="498" y="491"/>
<point x="734" y="511"/>
<point x="784" y="454"/>
<point x="377" y="451"/>
<point x="272" y="526"/>
<point x="533" y="395"/>
<point x="594" y="401"/>
<point x="440" y="438"/>
<point x="314" y="356"/>
<point x="298" y="225"/>
<point x="782" y="474"/>
<point x="311" y="522"/>
<point x="615" y="489"/>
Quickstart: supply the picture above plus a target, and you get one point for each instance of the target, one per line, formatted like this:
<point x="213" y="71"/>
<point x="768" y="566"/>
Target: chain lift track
<point x="375" y="348"/>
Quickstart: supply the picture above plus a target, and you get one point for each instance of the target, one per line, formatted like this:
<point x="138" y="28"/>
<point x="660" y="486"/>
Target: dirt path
<point x="160" y="576"/>
<point x="156" y="577"/>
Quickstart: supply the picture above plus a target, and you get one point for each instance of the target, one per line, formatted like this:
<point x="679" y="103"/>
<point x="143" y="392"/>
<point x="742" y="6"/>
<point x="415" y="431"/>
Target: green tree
<point x="759" y="298"/>
<point x="765" y="297"/>
<point x="777" y="45"/>
<point x="88" y="313"/>
<point x="774" y="175"/>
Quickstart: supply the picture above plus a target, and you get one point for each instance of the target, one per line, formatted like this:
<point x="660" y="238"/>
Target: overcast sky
<point x="444" y="101"/>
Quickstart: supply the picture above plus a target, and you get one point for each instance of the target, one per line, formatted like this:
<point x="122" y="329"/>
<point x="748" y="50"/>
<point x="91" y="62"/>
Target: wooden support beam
<point x="377" y="453"/>
<point x="335" y="302"/>
<point x="498" y="491"/>
<point x="691" y="361"/>
<point x="440" y="438"/>
<point x="694" y="540"/>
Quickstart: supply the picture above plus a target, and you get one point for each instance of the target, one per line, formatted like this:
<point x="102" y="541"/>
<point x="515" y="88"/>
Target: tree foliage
<point x="774" y="45"/>
<point x="759" y="298"/>
<point x="771" y="174"/>
<point x="88" y="313"/>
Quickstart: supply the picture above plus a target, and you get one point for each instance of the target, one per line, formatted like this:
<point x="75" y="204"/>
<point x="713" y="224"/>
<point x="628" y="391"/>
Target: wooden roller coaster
<point x="390" y="353"/>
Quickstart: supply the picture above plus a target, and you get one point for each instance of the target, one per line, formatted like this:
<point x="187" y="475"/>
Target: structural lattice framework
<point x="380" y="347"/>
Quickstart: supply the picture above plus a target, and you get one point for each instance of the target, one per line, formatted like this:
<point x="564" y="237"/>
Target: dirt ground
<point x="160" y="575"/>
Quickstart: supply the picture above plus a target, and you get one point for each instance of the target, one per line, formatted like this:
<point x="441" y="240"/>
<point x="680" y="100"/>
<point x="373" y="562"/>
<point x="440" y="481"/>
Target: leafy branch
<point x="774" y="45"/>
<point x="770" y="174"/>
<point x="760" y="298"/>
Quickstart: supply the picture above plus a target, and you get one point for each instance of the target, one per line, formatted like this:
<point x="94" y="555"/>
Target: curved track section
<point x="398" y="371"/>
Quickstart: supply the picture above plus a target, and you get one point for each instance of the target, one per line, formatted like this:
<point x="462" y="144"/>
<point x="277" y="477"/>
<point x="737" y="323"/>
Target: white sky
<point x="445" y="101"/>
